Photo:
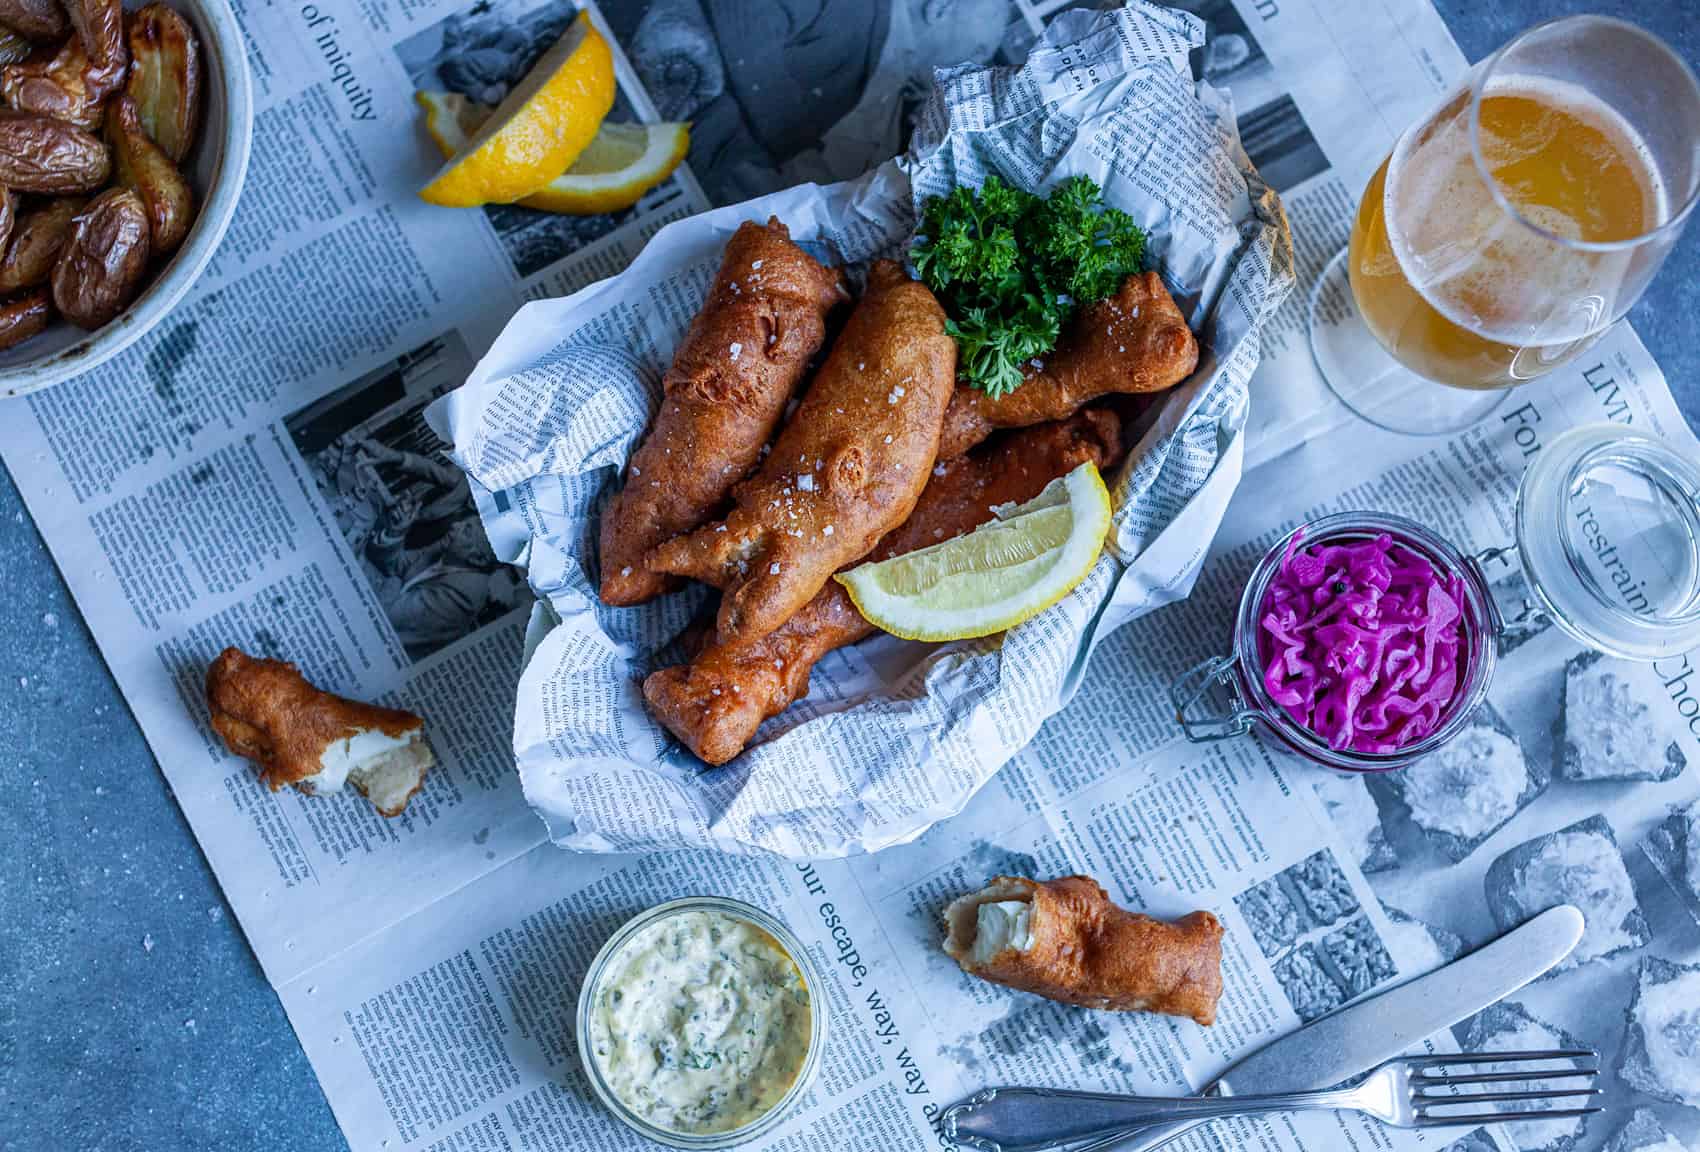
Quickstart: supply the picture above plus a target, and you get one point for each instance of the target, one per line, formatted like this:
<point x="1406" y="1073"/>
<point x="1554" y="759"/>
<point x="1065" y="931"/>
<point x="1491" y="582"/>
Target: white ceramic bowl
<point x="215" y="169"/>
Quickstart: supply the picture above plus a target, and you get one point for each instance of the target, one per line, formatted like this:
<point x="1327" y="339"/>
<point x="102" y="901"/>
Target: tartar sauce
<point x="701" y="1022"/>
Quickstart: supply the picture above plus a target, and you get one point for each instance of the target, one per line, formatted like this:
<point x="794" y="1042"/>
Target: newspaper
<point x="891" y="740"/>
<point x="216" y="484"/>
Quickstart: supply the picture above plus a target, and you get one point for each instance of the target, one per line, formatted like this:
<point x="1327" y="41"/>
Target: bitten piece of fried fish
<point x="1134" y="341"/>
<point x="1064" y="940"/>
<point x="743" y="357"/>
<point x="846" y="469"/>
<point x="301" y="735"/>
<point x="715" y="703"/>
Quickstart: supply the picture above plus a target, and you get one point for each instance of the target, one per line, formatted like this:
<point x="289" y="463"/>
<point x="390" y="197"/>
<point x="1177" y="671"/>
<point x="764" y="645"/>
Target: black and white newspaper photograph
<point x="405" y="512"/>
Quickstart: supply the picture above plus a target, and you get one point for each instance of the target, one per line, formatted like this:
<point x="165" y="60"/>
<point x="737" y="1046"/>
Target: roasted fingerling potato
<point x="105" y="259"/>
<point x="36" y="242"/>
<point x="142" y="165"/>
<point x="41" y="154"/>
<point x="53" y="87"/>
<point x="100" y="28"/>
<point x="14" y="49"/>
<point x="24" y="316"/>
<point x="165" y="77"/>
<point x="39" y="20"/>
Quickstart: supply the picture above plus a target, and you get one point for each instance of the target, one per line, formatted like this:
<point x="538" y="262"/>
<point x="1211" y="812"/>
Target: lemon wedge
<point x="1005" y="571"/>
<point x="620" y="164"/>
<point x="548" y="119"/>
<point x="451" y="119"/>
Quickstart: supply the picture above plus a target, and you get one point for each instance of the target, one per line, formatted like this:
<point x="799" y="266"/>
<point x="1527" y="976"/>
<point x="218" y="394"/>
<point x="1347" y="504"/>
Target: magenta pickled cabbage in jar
<point x="1243" y="673"/>
<point x="1365" y="640"/>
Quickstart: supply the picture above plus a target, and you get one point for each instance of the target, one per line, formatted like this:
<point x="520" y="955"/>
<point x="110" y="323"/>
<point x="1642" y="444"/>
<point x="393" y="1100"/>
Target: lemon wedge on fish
<point x="534" y="135"/>
<point x="1007" y="570"/>
<point x="620" y="164"/>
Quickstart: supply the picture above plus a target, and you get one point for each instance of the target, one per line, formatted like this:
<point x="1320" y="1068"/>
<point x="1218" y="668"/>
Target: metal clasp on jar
<point x="1213" y="688"/>
<point x="1527" y="614"/>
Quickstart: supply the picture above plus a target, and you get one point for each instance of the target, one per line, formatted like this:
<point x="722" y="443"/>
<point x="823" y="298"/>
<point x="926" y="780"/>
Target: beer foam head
<point x="1614" y="141"/>
<point x="1484" y="268"/>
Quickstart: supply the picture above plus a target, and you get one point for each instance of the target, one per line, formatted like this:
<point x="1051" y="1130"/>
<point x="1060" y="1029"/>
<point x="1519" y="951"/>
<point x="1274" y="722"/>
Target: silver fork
<point x="1407" y="1092"/>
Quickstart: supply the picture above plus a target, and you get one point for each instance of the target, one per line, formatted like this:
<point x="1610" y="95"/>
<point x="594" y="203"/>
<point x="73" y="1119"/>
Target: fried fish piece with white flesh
<point x="1134" y="341"/>
<point x="846" y="469"/>
<point x="298" y="734"/>
<point x="1064" y="940"/>
<point x="715" y="703"/>
<point x="746" y="351"/>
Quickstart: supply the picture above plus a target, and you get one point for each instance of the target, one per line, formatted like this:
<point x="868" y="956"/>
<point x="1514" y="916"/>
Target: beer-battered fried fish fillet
<point x="301" y="735"/>
<point x="747" y="349"/>
<point x="1134" y="341"/>
<point x="846" y="469"/>
<point x="1064" y="940"/>
<point x="715" y="703"/>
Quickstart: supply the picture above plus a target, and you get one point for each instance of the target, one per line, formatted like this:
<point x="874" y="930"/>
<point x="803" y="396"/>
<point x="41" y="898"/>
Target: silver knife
<point x="1355" y="1039"/>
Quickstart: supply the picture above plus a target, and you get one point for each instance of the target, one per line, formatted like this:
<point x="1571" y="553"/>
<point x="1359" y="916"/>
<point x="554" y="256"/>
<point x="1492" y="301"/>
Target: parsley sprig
<point x="1011" y="267"/>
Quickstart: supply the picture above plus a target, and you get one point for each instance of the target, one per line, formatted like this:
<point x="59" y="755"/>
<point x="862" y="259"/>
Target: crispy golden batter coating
<point x="1134" y="341"/>
<point x="746" y="351"/>
<point x="266" y="711"/>
<point x="715" y="703"/>
<point x="1086" y="951"/>
<point x="847" y="468"/>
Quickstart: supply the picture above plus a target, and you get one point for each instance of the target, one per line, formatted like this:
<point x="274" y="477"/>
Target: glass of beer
<point x="1512" y="226"/>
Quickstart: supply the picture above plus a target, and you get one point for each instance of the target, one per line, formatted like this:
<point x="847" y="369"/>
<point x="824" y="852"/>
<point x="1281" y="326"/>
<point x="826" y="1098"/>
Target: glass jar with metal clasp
<point x="1607" y="526"/>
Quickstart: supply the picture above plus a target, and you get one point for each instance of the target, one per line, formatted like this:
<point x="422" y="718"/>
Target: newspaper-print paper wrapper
<point x="894" y="736"/>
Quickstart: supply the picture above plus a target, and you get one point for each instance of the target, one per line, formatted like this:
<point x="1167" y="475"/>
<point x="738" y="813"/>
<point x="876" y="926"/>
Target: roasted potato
<point x="142" y="165"/>
<point x="39" y="20"/>
<point x="23" y="316"/>
<point x="36" y="241"/>
<point x="14" y="49"/>
<point x="100" y="27"/>
<point x="41" y="154"/>
<point x="105" y="259"/>
<point x="71" y="73"/>
<point x="165" y="77"/>
<point x="53" y="87"/>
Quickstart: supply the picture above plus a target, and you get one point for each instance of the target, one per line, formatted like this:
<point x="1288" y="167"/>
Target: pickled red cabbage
<point x="1360" y="642"/>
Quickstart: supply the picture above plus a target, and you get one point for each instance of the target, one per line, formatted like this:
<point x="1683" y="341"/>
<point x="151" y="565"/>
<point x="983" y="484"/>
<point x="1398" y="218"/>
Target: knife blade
<point x="1355" y="1039"/>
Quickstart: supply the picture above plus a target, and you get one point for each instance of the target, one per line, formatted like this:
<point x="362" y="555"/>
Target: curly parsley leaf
<point x="1010" y="267"/>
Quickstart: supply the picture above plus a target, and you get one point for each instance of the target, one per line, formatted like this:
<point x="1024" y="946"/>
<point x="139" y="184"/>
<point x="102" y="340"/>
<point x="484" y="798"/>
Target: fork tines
<point x="1437" y="1080"/>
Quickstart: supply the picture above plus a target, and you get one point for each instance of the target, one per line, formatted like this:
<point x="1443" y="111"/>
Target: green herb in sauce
<point x="701" y="1023"/>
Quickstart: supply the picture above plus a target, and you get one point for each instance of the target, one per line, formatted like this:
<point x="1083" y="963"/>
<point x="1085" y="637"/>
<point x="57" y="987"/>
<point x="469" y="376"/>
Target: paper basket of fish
<point x="835" y="738"/>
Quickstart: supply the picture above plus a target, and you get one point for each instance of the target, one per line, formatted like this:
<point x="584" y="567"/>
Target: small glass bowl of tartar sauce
<point x="700" y="1022"/>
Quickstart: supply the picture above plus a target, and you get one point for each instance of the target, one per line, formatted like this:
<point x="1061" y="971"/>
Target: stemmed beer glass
<point x="1512" y="226"/>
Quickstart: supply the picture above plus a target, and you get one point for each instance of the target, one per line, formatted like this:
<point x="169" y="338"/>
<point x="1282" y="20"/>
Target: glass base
<point x="1371" y="383"/>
